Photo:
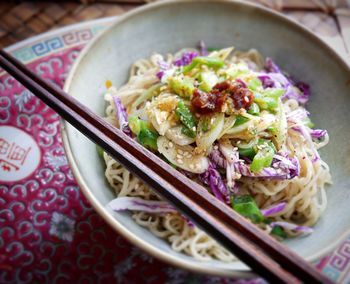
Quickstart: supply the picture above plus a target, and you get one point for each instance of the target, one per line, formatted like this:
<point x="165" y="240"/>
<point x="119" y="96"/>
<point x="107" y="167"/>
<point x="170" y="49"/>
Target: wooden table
<point x="23" y="19"/>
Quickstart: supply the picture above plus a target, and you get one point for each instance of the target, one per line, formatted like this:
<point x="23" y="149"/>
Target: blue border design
<point x="46" y="46"/>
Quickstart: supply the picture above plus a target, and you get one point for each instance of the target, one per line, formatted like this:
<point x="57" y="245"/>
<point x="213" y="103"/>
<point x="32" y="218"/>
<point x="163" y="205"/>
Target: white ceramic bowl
<point x="167" y="27"/>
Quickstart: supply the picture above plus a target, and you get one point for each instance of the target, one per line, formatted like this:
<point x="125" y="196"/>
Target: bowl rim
<point x="101" y="210"/>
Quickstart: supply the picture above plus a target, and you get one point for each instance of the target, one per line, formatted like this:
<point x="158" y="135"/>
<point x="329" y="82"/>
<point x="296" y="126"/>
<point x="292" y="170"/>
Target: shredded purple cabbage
<point x="213" y="179"/>
<point x="160" y="74"/>
<point x="163" y="66"/>
<point x="266" y="81"/>
<point x="291" y="93"/>
<point x="122" y="116"/>
<point x="247" y="160"/>
<point x="204" y="178"/>
<point x="307" y="133"/>
<point x="139" y="204"/>
<point x="318" y="133"/>
<point x="305" y="92"/>
<point x="241" y="82"/>
<point x="315" y="133"/>
<point x="268" y="173"/>
<point x="188" y="221"/>
<point x="203" y="51"/>
<point x="217" y="158"/>
<point x="292" y="227"/>
<point x="298" y="114"/>
<point x="270" y="66"/>
<point x="279" y="79"/>
<point x="282" y="167"/>
<point x="286" y="163"/>
<point x="186" y="58"/>
<point x="273" y="209"/>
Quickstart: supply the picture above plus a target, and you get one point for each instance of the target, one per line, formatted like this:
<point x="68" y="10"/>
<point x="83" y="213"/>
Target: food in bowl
<point x="236" y="124"/>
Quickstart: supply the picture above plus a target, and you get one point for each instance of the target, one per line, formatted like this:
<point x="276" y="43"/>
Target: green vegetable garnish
<point x="183" y="86"/>
<point x="251" y="149"/>
<point x="188" y="132"/>
<point x="247" y="207"/>
<point x="274" y="92"/>
<point x="268" y="142"/>
<point x="279" y="232"/>
<point x="307" y="122"/>
<point x="99" y="151"/>
<point x="247" y="152"/>
<point x="186" y="117"/>
<point x="207" y="81"/>
<point x="263" y="158"/>
<point x="272" y="129"/>
<point x="134" y="124"/>
<point x="247" y="149"/>
<point x="205" y="125"/>
<point x="144" y="132"/>
<point x="268" y="100"/>
<point x="236" y="71"/>
<point x="254" y="84"/>
<point x="148" y="138"/>
<point x="211" y="62"/>
<point x="254" y="109"/>
<point x="240" y="120"/>
<point x="266" y="103"/>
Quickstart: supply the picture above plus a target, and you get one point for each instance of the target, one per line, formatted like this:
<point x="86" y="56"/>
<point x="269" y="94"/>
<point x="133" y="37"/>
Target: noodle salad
<point x="236" y="124"/>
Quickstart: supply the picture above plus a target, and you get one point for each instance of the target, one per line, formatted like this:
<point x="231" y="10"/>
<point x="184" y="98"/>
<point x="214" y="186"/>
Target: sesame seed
<point x="180" y="151"/>
<point x="180" y="161"/>
<point x="179" y="156"/>
<point x="171" y="145"/>
<point x="191" y="166"/>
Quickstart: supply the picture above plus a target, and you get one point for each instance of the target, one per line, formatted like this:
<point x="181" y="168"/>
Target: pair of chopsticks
<point x="257" y="249"/>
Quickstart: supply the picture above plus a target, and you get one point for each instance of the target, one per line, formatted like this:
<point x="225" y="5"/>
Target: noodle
<point x="305" y="194"/>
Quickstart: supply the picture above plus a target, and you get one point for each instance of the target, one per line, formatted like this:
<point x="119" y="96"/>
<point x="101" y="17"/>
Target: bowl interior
<point x="168" y="27"/>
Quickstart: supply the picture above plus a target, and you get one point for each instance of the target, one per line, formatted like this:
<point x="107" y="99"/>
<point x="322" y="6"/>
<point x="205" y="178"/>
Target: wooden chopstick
<point x="253" y="246"/>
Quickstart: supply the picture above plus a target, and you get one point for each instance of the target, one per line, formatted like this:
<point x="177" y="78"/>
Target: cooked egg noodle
<point x="305" y="195"/>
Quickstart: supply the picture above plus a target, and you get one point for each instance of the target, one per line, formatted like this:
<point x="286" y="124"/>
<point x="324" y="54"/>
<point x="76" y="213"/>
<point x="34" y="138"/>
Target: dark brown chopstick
<point x="257" y="249"/>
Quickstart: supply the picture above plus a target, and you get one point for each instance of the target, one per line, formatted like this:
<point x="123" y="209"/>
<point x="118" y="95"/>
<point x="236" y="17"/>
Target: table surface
<point x="48" y="231"/>
<point x="21" y="20"/>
